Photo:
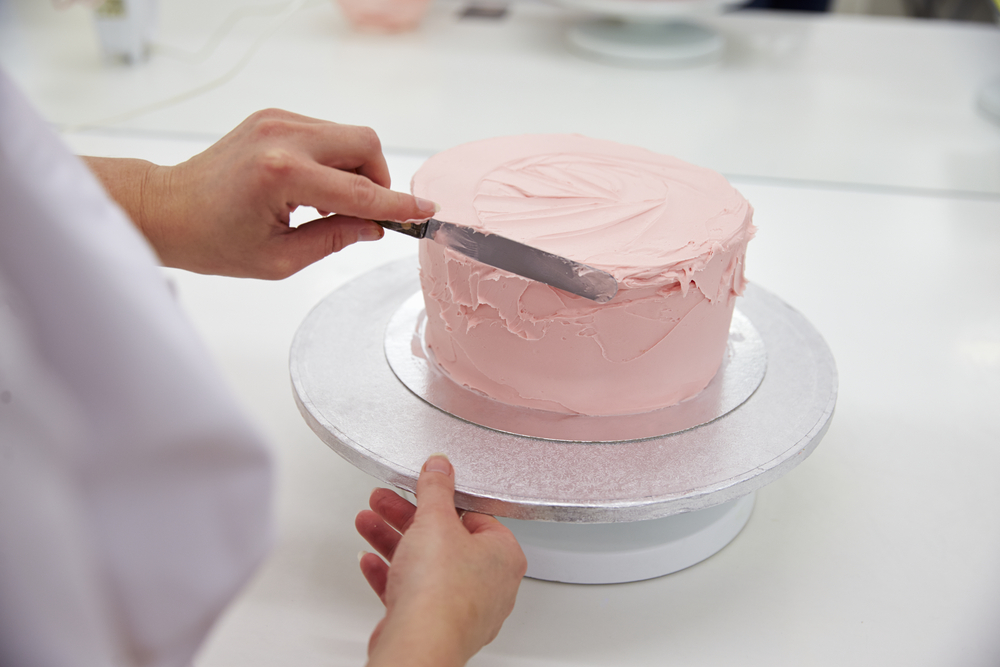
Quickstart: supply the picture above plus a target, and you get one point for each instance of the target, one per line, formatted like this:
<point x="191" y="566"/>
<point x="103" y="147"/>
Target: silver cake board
<point x="411" y="360"/>
<point x="584" y="512"/>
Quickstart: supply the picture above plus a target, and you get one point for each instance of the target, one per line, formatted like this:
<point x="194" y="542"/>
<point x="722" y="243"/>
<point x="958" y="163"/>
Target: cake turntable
<point x="630" y="502"/>
<point x="663" y="33"/>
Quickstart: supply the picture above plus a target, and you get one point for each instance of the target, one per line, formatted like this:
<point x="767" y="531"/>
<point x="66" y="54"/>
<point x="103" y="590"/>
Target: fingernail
<point x="361" y="554"/>
<point x="427" y="206"/>
<point x="438" y="463"/>
<point x="370" y="233"/>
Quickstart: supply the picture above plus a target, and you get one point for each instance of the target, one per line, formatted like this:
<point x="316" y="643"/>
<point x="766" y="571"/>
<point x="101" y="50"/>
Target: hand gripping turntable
<point x="591" y="499"/>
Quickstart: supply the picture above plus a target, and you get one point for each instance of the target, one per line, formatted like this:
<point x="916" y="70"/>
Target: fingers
<point x="352" y="148"/>
<point x="379" y="534"/>
<point x="312" y="241"/>
<point x="289" y="250"/>
<point x="376" y="573"/>
<point x="436" y="487"/>
<point x="346" y="147"/>
<point x="397" y="511"/>
<point x="484" y="526"/>
<point x="352" y="194"/>
<point x="481" y="523"/>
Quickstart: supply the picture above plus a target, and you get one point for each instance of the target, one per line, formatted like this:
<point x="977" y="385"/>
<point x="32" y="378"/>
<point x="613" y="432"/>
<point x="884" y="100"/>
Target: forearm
<point x="149" y="196"/>
<point x="129" y="182"/>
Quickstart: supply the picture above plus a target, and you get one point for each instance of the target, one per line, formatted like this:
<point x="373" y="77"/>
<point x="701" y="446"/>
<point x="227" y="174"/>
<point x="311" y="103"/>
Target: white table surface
<point x="883" y="548"/>
<point x="833" y="98"/>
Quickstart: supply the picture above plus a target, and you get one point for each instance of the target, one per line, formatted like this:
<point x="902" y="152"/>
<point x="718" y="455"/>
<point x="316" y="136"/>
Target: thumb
<point x="312" y="241"/>
<point x="436" y="487"/>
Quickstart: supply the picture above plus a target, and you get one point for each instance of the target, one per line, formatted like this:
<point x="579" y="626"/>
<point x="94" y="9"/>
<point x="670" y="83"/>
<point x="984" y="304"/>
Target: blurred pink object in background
<point x="384" y="15"/>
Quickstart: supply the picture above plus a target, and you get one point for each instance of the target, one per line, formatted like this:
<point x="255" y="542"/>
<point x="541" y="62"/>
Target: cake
<point x="674" y="236"/>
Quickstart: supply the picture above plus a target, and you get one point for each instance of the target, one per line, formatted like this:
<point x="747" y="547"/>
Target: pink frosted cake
<point x="673" y="235"/>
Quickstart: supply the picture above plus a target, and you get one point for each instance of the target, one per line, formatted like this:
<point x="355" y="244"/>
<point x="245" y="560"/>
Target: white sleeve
<point x="134" y="494"/>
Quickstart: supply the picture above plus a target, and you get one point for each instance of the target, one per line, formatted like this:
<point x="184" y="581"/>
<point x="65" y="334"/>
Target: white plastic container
<point x="125" y="28"/>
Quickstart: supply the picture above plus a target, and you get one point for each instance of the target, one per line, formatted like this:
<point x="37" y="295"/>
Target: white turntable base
<point x="607" y="553"/>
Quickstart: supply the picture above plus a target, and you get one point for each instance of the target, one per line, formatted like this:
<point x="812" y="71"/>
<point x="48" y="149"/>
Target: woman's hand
<point x="451" y="579"/>
<point x="226" y="211"/>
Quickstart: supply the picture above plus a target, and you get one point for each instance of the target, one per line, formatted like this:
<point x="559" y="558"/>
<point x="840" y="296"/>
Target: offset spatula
<point x="503" y="253"/>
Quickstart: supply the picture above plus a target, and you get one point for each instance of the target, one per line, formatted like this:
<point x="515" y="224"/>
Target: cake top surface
<point x="624" y="209"/>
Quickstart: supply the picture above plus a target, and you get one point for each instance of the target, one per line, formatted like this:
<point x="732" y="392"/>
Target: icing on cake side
<point x="673" y="235"/>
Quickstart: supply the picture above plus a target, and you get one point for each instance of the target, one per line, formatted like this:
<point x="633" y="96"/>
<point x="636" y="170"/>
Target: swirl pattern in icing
<point x="639" y="219"/>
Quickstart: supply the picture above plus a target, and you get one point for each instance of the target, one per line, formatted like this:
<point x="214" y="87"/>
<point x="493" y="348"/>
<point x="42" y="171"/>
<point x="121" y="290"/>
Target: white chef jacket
<point x="134" y="494"/>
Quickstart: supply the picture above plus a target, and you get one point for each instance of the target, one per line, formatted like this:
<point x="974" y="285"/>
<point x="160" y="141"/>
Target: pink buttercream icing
<point x="673" y="235"/>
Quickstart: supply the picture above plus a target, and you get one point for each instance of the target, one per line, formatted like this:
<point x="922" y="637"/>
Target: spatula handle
<point x="414" y="229"/>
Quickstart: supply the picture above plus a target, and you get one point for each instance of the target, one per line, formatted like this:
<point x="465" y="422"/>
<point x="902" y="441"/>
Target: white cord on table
<point x="212" y="43"/>
<point x="289" y="9"/>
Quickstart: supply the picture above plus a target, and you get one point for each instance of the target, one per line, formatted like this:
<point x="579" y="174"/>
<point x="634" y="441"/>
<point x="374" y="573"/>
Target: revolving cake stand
<point x="647" y="32"/>
<point x="590" y="499"/>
